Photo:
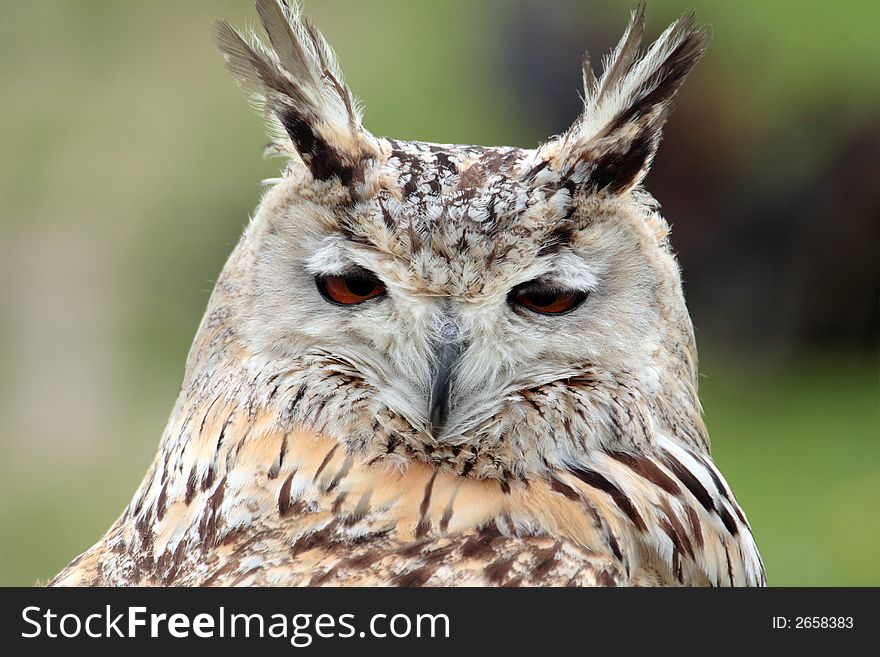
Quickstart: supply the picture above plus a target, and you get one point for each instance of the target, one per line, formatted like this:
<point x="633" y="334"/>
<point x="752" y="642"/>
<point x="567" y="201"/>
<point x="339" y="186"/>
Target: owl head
<point x="491" y="310"/>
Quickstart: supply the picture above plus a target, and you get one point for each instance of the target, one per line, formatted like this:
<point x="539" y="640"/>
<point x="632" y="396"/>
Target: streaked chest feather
<point x="245" y="499"/>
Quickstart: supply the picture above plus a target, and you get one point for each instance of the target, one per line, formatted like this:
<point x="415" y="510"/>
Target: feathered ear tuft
<point x="297" y="83"/>
<point x="613" y="142"/>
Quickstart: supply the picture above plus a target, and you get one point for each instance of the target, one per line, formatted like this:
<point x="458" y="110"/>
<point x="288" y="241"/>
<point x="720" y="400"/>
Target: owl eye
<point x="350" y="288"/>
<point x="547" y="299"/>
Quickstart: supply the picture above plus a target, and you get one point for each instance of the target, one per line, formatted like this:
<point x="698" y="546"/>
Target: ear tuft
<point x="612" y="144"/>
<point x="297" y="83"/>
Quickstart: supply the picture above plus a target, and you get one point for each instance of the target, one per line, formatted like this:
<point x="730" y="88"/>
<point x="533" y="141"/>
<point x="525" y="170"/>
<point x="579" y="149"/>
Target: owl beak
<point x="448" y="352"/>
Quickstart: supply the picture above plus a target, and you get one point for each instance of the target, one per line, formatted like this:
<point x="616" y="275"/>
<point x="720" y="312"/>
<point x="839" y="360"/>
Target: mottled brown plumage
<point x="510" y="400"/>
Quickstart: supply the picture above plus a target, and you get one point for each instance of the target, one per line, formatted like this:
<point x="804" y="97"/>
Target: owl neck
<point x="237" y="458"/>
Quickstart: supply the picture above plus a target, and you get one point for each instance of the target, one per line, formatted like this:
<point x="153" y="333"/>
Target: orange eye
<point x="350" y="289"/>
<point x="546" y="299"/>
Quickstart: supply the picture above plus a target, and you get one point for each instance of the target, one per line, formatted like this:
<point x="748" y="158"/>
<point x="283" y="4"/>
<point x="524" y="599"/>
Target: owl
<point x="440" y="365"/>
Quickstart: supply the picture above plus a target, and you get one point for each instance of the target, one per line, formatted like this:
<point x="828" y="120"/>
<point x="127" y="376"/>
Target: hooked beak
<point x="448" y="352"/>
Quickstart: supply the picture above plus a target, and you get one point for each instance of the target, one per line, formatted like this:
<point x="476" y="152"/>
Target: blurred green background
<point x="130" y="162"/>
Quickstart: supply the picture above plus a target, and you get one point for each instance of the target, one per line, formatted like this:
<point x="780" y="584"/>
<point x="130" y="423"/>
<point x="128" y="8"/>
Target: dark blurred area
<point x="130" y="164"/>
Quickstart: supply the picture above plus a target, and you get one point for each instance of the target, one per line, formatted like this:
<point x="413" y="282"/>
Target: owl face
<point x="462" y="281"/>
<point x="494" y="308"/>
